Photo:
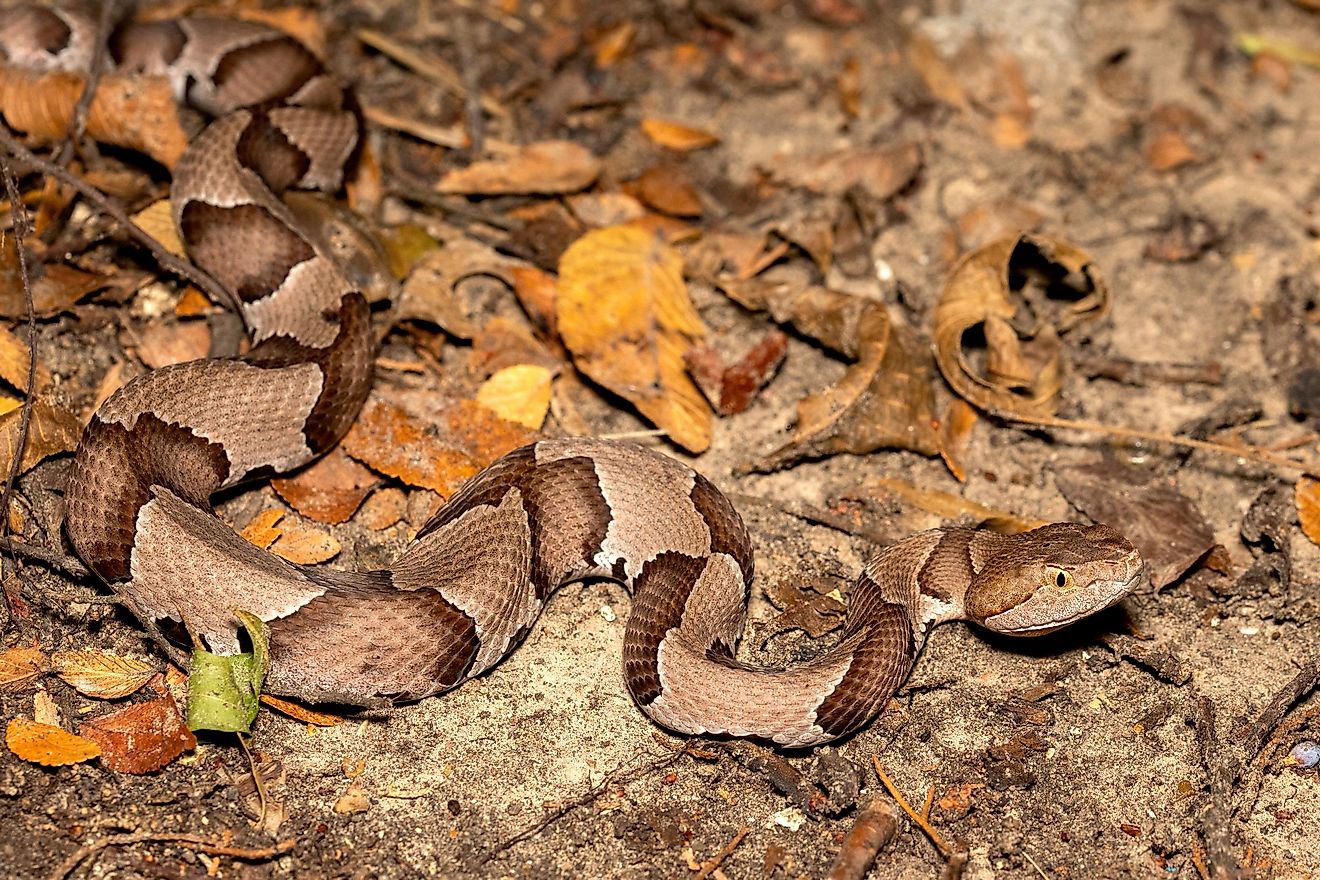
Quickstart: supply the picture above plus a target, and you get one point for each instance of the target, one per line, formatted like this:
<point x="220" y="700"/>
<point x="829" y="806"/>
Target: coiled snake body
<point x="473" y="582"/>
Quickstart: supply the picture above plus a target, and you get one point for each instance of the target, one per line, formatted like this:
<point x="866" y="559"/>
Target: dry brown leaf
<point x="542" y="168"/>
<point x="1307" y="497"/>
<point x="816" y="609"/>
<point x="505" y="342"/>
<point x="48" y="745"/>
<point x="935" y="72"/>
<point x="390" y="441"/>
<point x="138" y="112"/>
<point x="1019" y="374"/>
<point x="157" y="221"/>
<point x="383" y="509"/>
<point x="431" y="292"/>
<point x="193" y="304"/>
<point x="611" y="46"/>
<point x="520" y="393"/>
<point x="330" y="490"/>
<point x="164" y="343"/>
<point x="880" y="171"/>
<point x="20" y="667"/>
<point x="481" y="433"/>
<point x="15" y="357"/>
<point x="955" y="432"/>
<point x="44" y="710"/>
<point x="1168" y="150"/>
<point x="52" y="430"/>
<point x="140" y="738"/>
<point x="101" y="674"/>
<point x="676" y="136"/>
<point x="597" y="209"/>
<point x="625" y="315"/>
<point x="303" y="545"/>
<point x="950" y="507"/>
<point x="261" y="531"/>
<point x="301" y="712"/>
<point x="668" y="189"/>
<point x="55" y="286"/>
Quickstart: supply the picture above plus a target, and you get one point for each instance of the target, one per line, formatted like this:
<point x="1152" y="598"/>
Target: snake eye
<point x="1061" y="578"/>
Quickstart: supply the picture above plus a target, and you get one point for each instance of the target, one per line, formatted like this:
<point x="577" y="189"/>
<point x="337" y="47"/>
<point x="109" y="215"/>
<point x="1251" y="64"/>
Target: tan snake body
<point x="478" y="574"/>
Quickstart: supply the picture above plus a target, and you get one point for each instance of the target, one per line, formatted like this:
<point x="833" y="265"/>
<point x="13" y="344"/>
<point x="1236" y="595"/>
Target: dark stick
<point x="78" y="124"/>
<point x="20" y="215"/>
<point x="116" y="210"/>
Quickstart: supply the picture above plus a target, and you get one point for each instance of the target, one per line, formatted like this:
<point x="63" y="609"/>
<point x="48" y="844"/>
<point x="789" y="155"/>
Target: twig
<point x="435" y="69"/>
<point x="53" y="558"/>
<point x="115" y="209"/>
<point x="876" y="825"/>
<point x="1249" y="452"/>
<point x="916" y="817"/>
<point x="1028" y="857"/>
<point x="195" y="841"/>
<point x="1219" y="776"/>
<point x="25" y="422"/>
<point x="78" y="122"/>
<point x="1298" y="687"/>
<point x="467" y="68"/>
<point x="712" y="864"/>
<point x="615" y="778"/>
<point x="257" y="782"/>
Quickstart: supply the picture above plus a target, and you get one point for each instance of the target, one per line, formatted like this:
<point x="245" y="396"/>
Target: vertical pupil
<point x="1060" y="579"/>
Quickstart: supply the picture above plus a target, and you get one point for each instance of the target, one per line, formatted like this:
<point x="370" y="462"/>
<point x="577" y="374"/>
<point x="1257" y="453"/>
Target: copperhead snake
<point x="470" y="586"/>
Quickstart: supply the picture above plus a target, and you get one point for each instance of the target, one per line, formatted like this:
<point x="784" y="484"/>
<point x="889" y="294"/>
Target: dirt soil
<point x="1135" y="744"/>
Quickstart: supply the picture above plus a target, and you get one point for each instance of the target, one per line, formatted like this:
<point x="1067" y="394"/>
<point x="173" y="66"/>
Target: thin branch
<point x="116" y="210"/>
<point x="52" y="558"/>
<point x="712" y="864"/>
<point x="20" y="232"/>
<point x="194" y="841"/>
<point x="78" y="123"/>
<point x="916" y="817"/>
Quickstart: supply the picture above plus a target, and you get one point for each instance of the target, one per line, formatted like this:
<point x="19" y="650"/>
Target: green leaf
<point x="223" y="691"/>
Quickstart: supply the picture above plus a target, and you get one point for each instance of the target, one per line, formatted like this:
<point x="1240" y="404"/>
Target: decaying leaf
<point x="383" y="509"/>
<point x="330" y="490"/>
<point x="157" y="221"/>
<point x="955" y="432"/>
<point x="1160" y="521"/>
<point x="390" y="441"/>
<point x="1020" y="370"/>
<point x="55" y="286"/>
<point x="950" y="507"/>
<point x="134" y="111"/>
<point x="506" y="342"/>
<point x="14" y="361"/>
<point x="519" y="393"/>
<point x="20" y="667"/>
<point x="163" y="343"/>
<point x="884" y="399"/>
<point x="880" y="171"/>
<point x="101" y="674"/>
<point x="223" y="690"/>
<point x="288" y="538"/>
<point x="624" y="313"/>
<point x="668" y="189"/>
<point x="140" y="738"/>
<point x="676" y="136"/>
<point x="48" y="745"/>
<point x="816" y="609"/>
<point x="545" y="167"/>
<point x="431" y="293"/>
<point x="52" y="430"/>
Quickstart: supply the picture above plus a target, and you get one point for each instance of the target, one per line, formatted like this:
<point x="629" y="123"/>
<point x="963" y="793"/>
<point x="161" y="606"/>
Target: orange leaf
<point x="330" y="490"/>
<point x="390" y="441"/>
<point x="1306" y="494"/>
<point x="677" y="136"/>
<point x="301" y="712"/>
<point x="545" y="167"/>
<point x="101" y="674"/>
<point x="625" y="315"/>
<point x="141" y="738"/>
<point x="48" y="745"/>
<point x="261" y="530"/>
<point x="18" y="666"/>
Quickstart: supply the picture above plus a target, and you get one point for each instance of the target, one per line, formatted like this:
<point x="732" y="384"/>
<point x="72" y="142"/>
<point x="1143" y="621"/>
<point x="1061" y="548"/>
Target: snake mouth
<point x="1040" y="616"/>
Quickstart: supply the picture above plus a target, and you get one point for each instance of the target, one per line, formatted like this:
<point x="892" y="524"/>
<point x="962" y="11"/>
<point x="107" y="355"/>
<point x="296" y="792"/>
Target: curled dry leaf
<point x="1020" y="371"/>
<point x="955" y="433"/>
<point x="48" y="745"/>
<point x="816" y="609"/>
<point x="884" y="399"/>
<point x="330" y="490"/>
<point x="52" y="430"/>
<point x="138" y="112"/>
<point x="20" y="667"/>
<point x="1160" y="521"/>
<point x="545" y="167"/>
<point x="676" y="136"/>
<point x="431" y="292"/>
<point x="519" y="393"/>
<point x="140" y="738"/>
<point x="101" y="674"/>
<point x="624" y="314"/>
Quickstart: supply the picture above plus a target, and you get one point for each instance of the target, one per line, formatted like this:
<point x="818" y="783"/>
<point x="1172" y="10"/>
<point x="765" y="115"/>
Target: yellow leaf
<point x="101" y="674"/>
<point x="18" y="666"/>
<point x="302" y="545"/>
<point x="48" y="745"/>
<point x="520" y="393"/>
<point x="158" y="222"/>
<point x="677" y="136"/>
<point x="301" y="712"/>
<point x="624" y="313"/>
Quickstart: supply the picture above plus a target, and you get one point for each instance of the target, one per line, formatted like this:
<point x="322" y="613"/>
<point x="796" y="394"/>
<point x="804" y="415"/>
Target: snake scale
<point x="470" y="586"/>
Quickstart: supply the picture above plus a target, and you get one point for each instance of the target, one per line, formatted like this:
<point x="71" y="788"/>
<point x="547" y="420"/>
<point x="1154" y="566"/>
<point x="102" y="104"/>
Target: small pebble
<point x="1305" y="754"/>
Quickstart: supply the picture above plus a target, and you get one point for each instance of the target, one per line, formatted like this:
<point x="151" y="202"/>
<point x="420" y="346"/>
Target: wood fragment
<point x="193" y="841"/>
<point x="875" y="827"/>
<point x="712" y="864"/>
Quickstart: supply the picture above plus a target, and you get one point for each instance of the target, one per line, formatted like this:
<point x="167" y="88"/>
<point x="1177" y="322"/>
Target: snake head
<point x="1039" y="581"/>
